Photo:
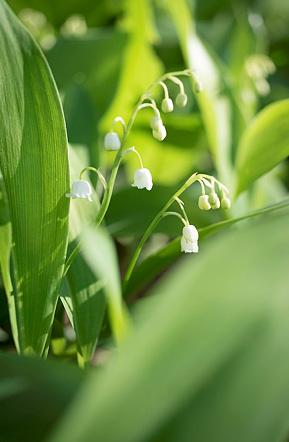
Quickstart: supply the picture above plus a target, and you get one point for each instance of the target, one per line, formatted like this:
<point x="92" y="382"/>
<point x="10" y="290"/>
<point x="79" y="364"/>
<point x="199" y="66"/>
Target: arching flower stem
<point x="154" y="224"/>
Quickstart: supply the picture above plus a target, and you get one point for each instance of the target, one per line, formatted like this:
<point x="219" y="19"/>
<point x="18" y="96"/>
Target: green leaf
<point x="99" y="252"/>
<point x="88" y="301"/>
<point x="204" y="319"/>
<point x="264" y="144"/>
<point x="34" y="165"/>
<point x="27" y="385"/>
<point x="222" y="117"/>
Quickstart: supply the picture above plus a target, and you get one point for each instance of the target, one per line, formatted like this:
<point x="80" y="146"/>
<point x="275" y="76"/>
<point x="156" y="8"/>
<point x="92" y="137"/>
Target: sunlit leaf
<point x="33" y="162"/>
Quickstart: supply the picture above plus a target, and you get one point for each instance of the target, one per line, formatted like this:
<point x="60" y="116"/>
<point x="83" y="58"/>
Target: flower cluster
<point x="214" y="194"/>
<point x="258" y="68"/>
<point x="212" y="200"/>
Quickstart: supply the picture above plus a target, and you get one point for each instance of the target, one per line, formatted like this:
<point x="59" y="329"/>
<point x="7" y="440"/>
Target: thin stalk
<point x="154" y="224"/>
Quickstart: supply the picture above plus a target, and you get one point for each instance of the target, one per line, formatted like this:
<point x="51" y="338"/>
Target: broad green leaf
<point x="264" y="144"/>
<point x="30" y="388"/>
<point x="200" y="319"/>
<point x="34" y="165"/>
<point x="222" y="117"/>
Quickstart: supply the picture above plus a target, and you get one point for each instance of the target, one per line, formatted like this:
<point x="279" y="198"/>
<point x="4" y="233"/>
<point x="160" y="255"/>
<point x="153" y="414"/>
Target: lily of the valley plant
<point x="214" y="194"/>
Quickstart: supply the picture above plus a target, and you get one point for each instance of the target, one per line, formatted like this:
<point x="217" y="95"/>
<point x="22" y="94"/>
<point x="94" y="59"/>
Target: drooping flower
<point x="204" y="203"/>
<point x="112" y="141"/>
<point x="143" y="179"/>
<point x="160" y="132"/>
<point x="189" y="240"/>
<point x="167" y="105"/>
<point x="181" y="100"/>
<point x="80" y="189"/>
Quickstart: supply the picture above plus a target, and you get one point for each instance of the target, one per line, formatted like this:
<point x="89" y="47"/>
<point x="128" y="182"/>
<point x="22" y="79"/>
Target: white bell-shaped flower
<point x="160" y="133"/>
<point x="80" y="189"/>
<point x="112" y="141"/>
<point x="143" y="179"/>
<point x="181" y="100"/>
<point x="189" y="240"/>
<point x="167" y="105"/>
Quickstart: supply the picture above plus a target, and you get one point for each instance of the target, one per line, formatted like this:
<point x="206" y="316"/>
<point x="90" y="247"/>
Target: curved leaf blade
<point x="34" y="165"/>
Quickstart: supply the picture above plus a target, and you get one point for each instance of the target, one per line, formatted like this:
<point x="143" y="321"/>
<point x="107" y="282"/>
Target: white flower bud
<point x="112" y="141"/>
<point x="167" y="105"/>
<point x="80" y="189"/>
<point x="189" y="240"/>
<point x="143" y="179"/>
<point x="181" y="100"/>
<point x="156" y="122"/>
<point x="160" y="133"/>
<point x="204" y="203"/>
<point x="225" y="203"/>
<point x="214" y="200"/>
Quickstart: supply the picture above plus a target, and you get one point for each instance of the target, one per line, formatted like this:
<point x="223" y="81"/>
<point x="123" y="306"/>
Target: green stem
<point x="154" y="224"/>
